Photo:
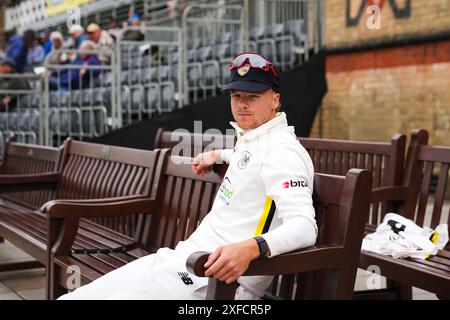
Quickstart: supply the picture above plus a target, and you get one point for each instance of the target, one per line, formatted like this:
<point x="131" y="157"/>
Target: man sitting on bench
<point x="263" y="208"/>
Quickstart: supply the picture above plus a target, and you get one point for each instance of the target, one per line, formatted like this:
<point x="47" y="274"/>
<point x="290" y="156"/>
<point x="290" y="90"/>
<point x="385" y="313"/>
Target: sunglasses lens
<point x="255" y="61"/>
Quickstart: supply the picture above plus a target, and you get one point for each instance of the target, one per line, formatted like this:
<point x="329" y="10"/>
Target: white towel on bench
<point x="401" y="238"/>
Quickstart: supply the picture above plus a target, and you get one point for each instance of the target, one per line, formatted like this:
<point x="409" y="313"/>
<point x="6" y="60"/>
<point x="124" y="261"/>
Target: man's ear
<point x="276" y="101"/>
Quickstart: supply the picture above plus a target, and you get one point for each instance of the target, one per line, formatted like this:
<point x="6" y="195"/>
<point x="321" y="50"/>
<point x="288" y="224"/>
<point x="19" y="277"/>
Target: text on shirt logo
<point x="294" y="184"/>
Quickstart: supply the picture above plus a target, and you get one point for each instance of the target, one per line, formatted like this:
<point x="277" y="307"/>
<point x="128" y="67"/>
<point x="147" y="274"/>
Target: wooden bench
<point x="326" y="270"/>
<point x="88" y="171"/>
<point x="384" y="159"/>
<point x="20" y="159"/>
<point x="182" y="200"/>
<point x="433" y="274"/>
<point x="179" y="207"/>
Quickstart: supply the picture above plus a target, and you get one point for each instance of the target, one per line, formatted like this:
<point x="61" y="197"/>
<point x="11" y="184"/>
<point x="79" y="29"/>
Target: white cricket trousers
<point x="162" y="275"/>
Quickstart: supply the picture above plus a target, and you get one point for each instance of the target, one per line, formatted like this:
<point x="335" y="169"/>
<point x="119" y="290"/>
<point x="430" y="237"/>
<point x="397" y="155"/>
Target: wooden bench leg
<point x="2" y="240"/>
<point x="53" y="290"/>
<point x="404" y="292"/>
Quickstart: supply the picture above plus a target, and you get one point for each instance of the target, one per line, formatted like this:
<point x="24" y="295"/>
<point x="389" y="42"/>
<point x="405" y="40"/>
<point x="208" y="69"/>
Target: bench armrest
<point x="311" y="258"/>
<point x="64" y="217"/>
<point x="48" y="204"/>
<point x="392" y="193"/>
<point x="89" y="208"/>
<point x="299" y="261"/>
<point x="27" y="182"/>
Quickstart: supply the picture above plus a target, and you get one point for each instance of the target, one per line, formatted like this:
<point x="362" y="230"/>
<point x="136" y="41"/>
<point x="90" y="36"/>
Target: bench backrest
<point x="25" y="159"/>
<point x="100" y="171"/>
<point x="184" y="199"/>
<point x="384" y="159"/>
<point x="188" y="144"/>
<point x="424" y="164"/>
<point x="342" y="206"/>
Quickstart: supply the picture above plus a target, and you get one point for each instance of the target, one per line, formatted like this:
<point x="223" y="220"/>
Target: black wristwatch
<point x="263" y="246"/>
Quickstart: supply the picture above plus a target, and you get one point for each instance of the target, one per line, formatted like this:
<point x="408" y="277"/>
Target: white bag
<point x="400" y="238"/>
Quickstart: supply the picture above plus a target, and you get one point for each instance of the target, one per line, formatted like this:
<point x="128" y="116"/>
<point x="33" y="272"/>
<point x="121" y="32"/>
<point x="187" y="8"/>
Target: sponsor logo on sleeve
<point x="294" y="184"/>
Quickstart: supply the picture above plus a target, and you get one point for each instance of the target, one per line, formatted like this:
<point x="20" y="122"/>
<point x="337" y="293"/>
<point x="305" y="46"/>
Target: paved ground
<point x="30" y="284"/>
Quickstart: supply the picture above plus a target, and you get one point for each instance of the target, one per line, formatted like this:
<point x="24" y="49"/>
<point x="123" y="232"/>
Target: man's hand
<point x="203" y="162"/>
<point x="229" y="262"/>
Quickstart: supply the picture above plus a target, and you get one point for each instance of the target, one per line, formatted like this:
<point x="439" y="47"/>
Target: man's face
<point x="75" y="35"/>
<point x="57" y="43"/>
<point x="95" y="36"/>
<point x="250" y="110"/>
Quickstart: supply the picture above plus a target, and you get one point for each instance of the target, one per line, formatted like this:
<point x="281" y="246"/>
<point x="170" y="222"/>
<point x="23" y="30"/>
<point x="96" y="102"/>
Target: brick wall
<point x="375" y="93"/>
<point x="424" y="17"/>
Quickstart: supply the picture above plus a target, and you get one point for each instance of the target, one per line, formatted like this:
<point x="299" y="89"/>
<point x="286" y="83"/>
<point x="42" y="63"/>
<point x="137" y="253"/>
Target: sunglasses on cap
<point x="255" y="60"/>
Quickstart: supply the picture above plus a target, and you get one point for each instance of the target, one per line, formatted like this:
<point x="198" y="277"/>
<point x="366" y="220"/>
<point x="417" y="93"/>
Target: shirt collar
<point x="279" y="122"/>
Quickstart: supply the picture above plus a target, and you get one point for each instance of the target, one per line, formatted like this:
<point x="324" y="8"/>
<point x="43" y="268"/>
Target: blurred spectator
<point x="133" y="35"/>
<point x="36" y="53"/>
<point x="57" y="43"/>
<point x="175" y="8"/>
<point x="77" y="36"/>
<point x="114" y="29"/>
<point x="16" y="49"/>
<point x="8" y="66"/>
<point x="102" y="39"/>
<point x="77" y="78"/>
<point x="46" y="42"/>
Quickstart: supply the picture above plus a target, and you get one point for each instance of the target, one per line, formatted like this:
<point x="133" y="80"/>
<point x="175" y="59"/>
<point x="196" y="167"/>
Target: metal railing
<point x="212" y="33"/>
<point x="79" y="97"/>
<point x="21" y="109"/>
<point x="149" y="72"/>
<point x="164" y="68"/>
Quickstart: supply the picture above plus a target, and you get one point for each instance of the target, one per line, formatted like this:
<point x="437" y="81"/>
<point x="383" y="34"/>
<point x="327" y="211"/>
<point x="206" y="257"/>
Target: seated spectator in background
<point x="77" y="36"/>
<point x="77" y="78"/>
<point x="16" y="50"/>
<point x="46" y="42"/>
<point x="57" y="43"/>
<point x="133" y="35"/>
<point x="36" y="53"/>
<point x="8" y="102"/>
<point x="102" y="39"/>
<point x="114" y="29"/>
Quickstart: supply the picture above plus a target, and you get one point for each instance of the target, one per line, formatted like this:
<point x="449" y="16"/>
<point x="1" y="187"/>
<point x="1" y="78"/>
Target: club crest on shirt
<point x="243" y="162"/>
<point x="243" y="70"/>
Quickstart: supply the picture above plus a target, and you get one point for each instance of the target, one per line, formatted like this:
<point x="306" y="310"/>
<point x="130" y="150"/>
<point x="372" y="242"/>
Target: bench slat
<point x="108" y="259"/>
<point x="93" y="263"/>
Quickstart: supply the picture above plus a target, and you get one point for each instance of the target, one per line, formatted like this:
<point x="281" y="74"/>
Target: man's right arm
<point x="203" y="162"/>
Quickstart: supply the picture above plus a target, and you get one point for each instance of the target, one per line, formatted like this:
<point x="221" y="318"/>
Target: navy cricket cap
<point x="251" y="72"/>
